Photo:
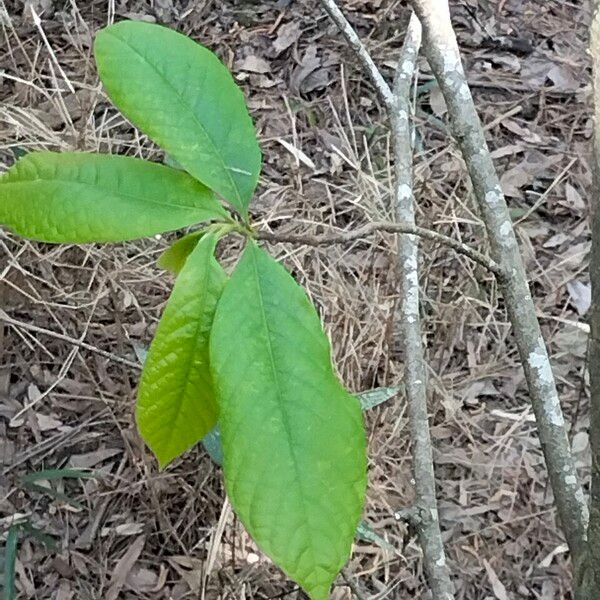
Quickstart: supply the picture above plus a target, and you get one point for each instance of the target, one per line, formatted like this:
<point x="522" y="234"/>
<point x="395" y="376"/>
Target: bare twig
<point x="383" y="89"/>
<point x="415" y="370"/>
<point x="387" y="227"/>
<point x="65" y="338"/>
<point x="354" y="588"/>
<point x="588" y="570"/>
<point x="441" y="50"/>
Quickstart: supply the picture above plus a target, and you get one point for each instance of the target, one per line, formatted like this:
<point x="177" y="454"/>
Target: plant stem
<point x="415" y="369"/>
<point x="385" y="227"/>
<point x="441" y="50"/>
<point x="355" y="43"/>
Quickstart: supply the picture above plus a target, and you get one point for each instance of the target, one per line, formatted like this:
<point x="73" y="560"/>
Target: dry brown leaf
<point x="91" y="459"/>
<point x="557" y="240"/>
<point x="563" y="77"/>
<point x="580" y="294"/>
<point x="7" y="451"/>
<point x="123" y="567"/>
<point x="298" y="154"/>
<point x="497" y="586"/>
<point x="140" y="579"/>
<point x="125" y="529"/>
<point x="522" y="132"/>
<point x="508" y="150"/>
<point x="341" y="592"/>
<point x="573" y="197"/>
<point x="43" y="8"/>
<point x="514" y="179"/>
<point x="193" y="574"/>
<point x="310" y="75"/>
<point x="549" y="591"/>
<point x="287" y="35"/>
<point x="437" y="102"/>
<point x="27" y="585"/>
<point x="253" y="64"/>
<point x="64" y="591"/>
<point x="47" y="422"/>
<point x="547" y="560"/>
<point x="581" y="442"/>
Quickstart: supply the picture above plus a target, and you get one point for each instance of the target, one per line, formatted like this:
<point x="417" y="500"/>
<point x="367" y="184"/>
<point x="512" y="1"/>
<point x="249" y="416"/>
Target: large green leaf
<point x="185" y="99"/>
<point x="212" y="441"/>
<point x="10" y="560"/>
<point x="76" y="197"/>
<point x="293" y="438"/>
<point x="176" y="402"/>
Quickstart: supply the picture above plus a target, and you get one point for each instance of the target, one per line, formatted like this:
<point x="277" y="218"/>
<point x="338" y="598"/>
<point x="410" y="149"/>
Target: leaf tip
<point x="163" y="463"/>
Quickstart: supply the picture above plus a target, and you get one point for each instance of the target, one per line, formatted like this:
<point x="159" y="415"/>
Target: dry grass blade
<point x="410" y="331"/>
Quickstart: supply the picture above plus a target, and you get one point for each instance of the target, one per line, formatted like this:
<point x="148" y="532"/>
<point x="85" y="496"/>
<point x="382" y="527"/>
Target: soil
<point x="131" y="531"/>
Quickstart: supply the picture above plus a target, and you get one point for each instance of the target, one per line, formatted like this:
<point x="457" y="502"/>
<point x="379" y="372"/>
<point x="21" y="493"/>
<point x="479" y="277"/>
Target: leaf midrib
<point x="279" y="392"/>
<point x="96" y="187"/>
<point x="182" y="101"/>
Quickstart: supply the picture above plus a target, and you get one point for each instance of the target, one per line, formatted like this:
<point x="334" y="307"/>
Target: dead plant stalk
<point x="442" y="52"/>
<point x="410" y="228"/>
<point x="415" y="370"/>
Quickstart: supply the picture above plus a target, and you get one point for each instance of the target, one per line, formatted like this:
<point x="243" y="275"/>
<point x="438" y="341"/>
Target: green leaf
<point x="213" y="446"/>
<point x="176" y="402"/>
<point x="40" y="535"/>
<point x="77" y="197"/>
<point x="174" y="257"/>
<point x="293" y="438"/>
<point x="365" y="532"/>
<point x="30" y="481"/>
<point x="55" y="494"/>
<point x="10" y="559"/>
<point x="368" y="399"/>
<point x="53" y="474"/>
<point x="182" y="96"/>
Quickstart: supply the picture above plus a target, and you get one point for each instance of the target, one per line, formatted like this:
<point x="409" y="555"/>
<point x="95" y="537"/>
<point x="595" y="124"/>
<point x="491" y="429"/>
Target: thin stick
<point x="38" y="23"/>
<point x="441" y="50"/>
<point x="348" y="578"/>
<point x="383" y="89"/>
<point x="65" y="338"/>
<point x="410" y="338"/>
<point x="387" y="227"/>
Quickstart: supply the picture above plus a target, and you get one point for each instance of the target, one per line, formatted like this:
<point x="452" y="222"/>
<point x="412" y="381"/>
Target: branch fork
<point x="443" y="55"/>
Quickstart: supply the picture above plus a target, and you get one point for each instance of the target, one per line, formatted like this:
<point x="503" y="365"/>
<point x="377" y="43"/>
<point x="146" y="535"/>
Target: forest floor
<point x="131" y="531"/>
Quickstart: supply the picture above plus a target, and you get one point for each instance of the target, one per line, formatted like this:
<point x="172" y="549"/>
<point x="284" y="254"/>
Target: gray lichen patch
<point x="538" y="361"/>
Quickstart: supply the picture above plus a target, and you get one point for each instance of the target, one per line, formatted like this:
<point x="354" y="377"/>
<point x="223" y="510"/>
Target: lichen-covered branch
<point x="355" y="43"/>
<point x="343" y="237"/>
<point x="441" y="50"/>
<point x="410" y="338"/>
